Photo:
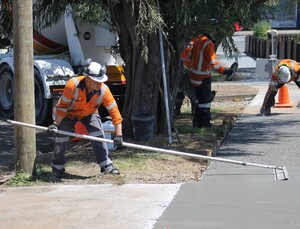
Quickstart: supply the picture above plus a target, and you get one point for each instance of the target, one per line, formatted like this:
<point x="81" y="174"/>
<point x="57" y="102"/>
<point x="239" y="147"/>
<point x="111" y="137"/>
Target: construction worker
<point x="286" y="70"/>
<point x="80" y="101"/>
<point x="200" y="58"/>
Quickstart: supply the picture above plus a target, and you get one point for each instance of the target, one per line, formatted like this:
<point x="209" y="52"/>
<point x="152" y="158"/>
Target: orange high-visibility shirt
<point x="203" y="60"/>
<point x="73" y="102"/>
<point x="293" y="65"/>
<point x="186" y="55"/>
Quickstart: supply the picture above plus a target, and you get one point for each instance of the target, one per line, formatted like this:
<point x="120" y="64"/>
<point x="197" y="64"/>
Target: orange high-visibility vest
<point x="186" y="55"/>
<point x="73" y="102"/>
<point x="293" y="65"/>
<point x="203" y="60"/>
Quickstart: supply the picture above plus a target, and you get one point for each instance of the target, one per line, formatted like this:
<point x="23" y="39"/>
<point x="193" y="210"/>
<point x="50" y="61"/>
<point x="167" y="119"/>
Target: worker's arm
<point x="58" y="120"/>
<point x="118" y="129"/>
<point x="212" y="58"/>
<point x="54" y="126"/>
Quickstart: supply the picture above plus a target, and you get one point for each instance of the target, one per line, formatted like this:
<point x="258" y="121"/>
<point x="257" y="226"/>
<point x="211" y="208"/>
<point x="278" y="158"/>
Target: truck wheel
<point x="42" y="105"/>
<point x="6" y="92"/>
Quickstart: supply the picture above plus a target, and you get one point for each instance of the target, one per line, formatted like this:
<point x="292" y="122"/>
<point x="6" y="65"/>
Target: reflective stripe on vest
<point x="200" y="63"/>
<point x="196" y="82"/>
<point x="215" y="66"/>
<point x="111" y="106"/>
<point x="103" y="89"/>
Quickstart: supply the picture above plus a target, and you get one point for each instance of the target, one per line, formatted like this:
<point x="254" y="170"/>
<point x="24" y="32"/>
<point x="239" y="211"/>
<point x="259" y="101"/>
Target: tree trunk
<point x="24" y="109"/>
<point x="143" y="78"/>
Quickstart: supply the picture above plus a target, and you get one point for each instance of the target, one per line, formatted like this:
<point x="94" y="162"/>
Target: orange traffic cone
<point x="79" y="129"/>
<point x="284" y="98"/>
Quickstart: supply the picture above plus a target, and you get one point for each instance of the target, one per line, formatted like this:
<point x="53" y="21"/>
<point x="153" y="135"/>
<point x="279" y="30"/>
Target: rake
<point x="280" y="172"/>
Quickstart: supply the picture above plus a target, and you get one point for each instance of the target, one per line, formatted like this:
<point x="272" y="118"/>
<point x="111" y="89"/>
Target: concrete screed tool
<point x="280" y="172"/>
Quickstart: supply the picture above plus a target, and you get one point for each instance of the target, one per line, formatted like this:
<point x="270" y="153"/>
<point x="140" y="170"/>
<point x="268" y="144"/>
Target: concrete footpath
<point x="84" y="206"/>
<point x="243" y="197"/>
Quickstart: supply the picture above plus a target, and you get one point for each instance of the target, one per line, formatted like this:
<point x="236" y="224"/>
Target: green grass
<point x="138" y="161"/>
<point x="21" y="179"/>
<point x="131" y="162"/>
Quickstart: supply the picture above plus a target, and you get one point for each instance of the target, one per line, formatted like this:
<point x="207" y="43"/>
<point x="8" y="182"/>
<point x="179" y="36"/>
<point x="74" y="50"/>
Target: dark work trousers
<point x="269" y="100"/>
<point x="201" y="114"/>
<point x="94" y="127"/>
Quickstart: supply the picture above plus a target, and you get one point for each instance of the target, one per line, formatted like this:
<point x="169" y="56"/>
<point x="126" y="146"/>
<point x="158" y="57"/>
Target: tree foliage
<point x="5" y="23"/>
<point x="137" y="23"/>
<point x="47" y="13"/>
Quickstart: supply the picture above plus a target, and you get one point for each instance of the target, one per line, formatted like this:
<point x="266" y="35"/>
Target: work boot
<point x="265" y="111"/>
<point x="56" y="173"/>
<point x="109" y="170"/>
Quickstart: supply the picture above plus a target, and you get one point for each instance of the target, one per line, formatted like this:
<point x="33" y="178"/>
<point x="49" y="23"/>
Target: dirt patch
<point x="150" y="167"/>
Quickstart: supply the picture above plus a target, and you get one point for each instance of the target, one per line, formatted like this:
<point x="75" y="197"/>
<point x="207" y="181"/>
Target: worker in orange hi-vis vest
<point x="80" y="100"/>
<point x="200" y="58"/>
<point x="286" y="70"/>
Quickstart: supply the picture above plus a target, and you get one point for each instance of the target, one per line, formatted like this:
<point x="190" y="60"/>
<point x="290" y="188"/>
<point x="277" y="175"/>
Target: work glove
<point x="53" y="127"/>
<point x="118" y="141"/>
<point x="227" y="72"/>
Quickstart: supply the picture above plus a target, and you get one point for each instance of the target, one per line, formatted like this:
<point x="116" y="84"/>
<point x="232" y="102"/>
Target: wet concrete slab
<point x="234" y="199"/>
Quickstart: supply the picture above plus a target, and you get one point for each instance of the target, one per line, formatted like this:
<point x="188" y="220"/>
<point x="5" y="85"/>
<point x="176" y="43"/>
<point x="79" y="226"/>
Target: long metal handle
<point x="143" y="147"/>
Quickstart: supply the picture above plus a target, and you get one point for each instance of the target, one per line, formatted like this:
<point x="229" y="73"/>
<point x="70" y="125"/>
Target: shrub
<point x="296" y="38"/>
<point x="260" y="29"/>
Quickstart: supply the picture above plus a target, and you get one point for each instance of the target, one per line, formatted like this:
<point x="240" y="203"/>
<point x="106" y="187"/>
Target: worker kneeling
<point x="80" y="100"/>
<point x="287" y="70"/>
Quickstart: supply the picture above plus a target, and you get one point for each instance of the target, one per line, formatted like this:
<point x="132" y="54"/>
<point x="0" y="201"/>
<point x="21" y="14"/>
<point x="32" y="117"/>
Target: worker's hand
<point x="227" y="72"/>
<point x="118" y="141"/>
<point x="53" y="127"/>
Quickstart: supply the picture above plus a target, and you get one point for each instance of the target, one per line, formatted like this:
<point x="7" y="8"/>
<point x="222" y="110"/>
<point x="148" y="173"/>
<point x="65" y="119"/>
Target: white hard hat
<point x="96" y="72"/>
<point x="284" y="74"/>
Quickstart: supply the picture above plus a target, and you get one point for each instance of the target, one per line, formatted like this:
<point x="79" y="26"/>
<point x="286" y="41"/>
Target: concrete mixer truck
<point x="59" y="53"/>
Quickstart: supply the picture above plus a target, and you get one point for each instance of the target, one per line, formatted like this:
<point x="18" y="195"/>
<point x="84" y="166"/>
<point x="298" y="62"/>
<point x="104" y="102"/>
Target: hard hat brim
<point x="99" y="79"/>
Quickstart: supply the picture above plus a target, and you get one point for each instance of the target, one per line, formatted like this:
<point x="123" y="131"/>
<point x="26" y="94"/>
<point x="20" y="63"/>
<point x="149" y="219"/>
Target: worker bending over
<point x="286" y="70"/>
<point x="80" y="100"/>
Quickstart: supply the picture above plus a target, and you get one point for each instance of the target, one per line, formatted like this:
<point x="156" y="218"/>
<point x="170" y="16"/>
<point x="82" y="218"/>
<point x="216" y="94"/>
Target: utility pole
<point x="24" y="106"/>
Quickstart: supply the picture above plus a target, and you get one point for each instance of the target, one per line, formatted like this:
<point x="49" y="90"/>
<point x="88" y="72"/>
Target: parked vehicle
<point x="59" y="53"/>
